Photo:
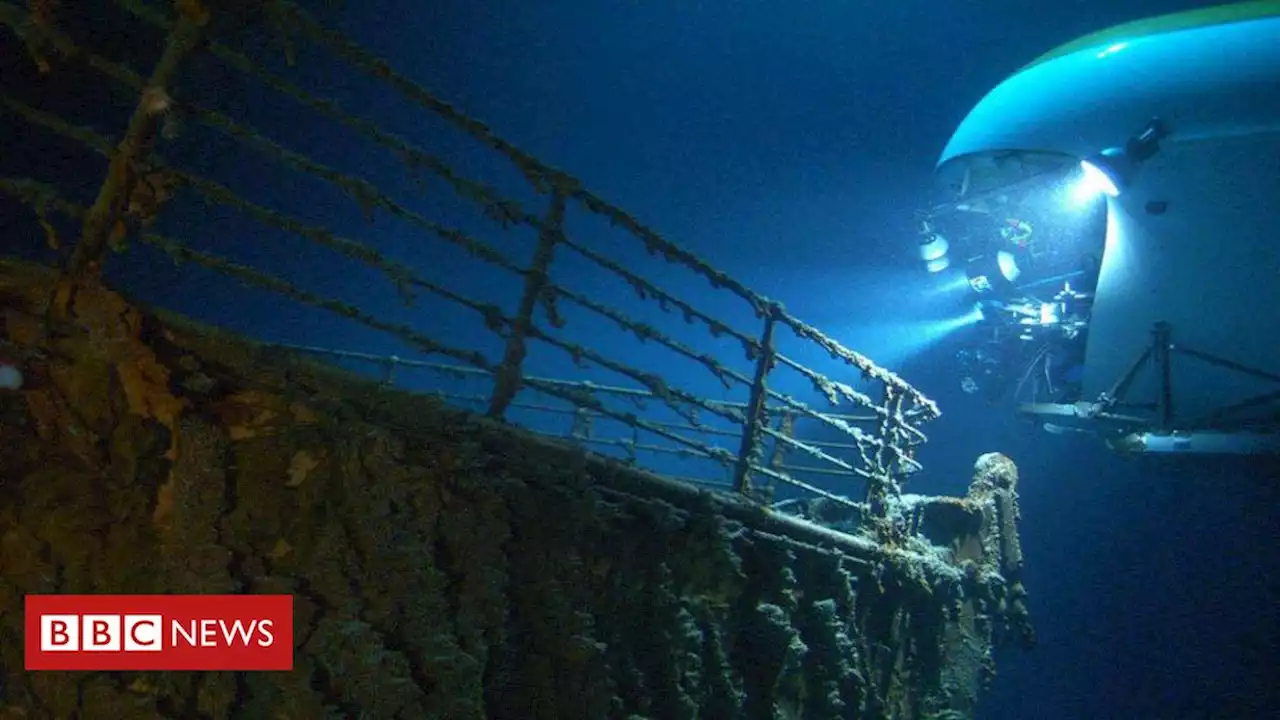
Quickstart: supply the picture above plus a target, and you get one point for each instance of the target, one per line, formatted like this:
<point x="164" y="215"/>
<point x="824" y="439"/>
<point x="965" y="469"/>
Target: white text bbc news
<point x="143" y="633"/>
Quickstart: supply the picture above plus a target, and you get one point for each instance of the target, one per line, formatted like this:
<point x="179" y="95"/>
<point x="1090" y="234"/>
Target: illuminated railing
<point x="749" y="438"/>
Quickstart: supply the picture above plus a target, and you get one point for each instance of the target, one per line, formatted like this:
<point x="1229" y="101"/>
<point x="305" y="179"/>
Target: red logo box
<point x="159" y="632"/>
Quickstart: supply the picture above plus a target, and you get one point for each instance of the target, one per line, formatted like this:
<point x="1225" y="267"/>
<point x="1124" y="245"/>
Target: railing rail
<point x="878" y="439"/>
<point x="580" y="431"/>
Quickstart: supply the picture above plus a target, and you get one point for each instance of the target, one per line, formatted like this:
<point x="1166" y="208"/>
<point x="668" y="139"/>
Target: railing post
<point x="755" y="415"/>
<point x="113" y="196"/>
<point x="581" y="428"/>
<point x="389" y="371"/>
<point x="882" y="484"/>
<point x="787" y="428"/>
<point x="509" y="376"/>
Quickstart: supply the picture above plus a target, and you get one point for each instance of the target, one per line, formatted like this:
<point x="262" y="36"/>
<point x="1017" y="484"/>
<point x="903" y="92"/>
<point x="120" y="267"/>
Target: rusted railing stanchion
<point x="882" y="484"/>
<point x="777" y="458"/>
<point x="508" y="378"/>
<point x="113" y="195"/>
<point x="787" y="427"/>
<point x="754" y="414"/>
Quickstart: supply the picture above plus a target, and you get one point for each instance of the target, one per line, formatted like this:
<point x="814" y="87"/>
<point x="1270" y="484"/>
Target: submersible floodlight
<point x="933" y="251"/>
<point x="1112" y="170"/>
<point x="988" y="273"/>
<point x="1050" y="314"/>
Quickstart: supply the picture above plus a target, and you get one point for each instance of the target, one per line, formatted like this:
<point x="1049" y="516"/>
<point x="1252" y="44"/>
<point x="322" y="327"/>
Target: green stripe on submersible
<point x="1204" y="17"/>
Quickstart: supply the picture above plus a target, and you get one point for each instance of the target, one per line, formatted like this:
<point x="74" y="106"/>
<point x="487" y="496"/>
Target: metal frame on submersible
<point x="1218" y="431"/>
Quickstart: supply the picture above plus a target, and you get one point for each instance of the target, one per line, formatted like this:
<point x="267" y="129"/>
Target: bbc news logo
<point x="159" y="632"/>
